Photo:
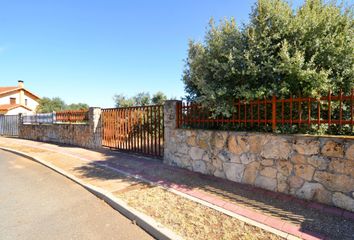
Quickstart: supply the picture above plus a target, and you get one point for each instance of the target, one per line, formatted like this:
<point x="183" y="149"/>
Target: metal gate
<point x="9" y="125"/>
<point x="135" y="129"/>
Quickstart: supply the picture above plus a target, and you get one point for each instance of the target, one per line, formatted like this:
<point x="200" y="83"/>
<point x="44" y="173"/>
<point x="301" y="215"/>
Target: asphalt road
<point x="38" y="203"/>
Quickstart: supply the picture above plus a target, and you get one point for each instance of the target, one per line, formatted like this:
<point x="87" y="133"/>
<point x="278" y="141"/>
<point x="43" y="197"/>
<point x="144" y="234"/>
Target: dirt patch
<point x="189" y="219"/>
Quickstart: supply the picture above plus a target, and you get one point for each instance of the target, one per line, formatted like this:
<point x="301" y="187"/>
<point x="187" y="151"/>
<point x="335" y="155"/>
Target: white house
<point x="15" y="100"/>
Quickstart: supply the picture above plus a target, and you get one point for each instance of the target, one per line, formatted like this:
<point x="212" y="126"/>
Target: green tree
<point x="47" y="105"/>
<point x="140" y="99"/>
<point x="77" y="106"/>
<point x="158" y="98"/>
<point x="122" y="101"/>
<point x="303" y="52"/>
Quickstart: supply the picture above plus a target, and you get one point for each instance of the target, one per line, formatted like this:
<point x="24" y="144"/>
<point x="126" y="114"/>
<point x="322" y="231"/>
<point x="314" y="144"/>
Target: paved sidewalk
<point x="297" y="217"/>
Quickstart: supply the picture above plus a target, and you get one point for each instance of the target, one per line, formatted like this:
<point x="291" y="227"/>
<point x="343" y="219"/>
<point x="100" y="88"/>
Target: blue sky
<point x="86" y="51"/>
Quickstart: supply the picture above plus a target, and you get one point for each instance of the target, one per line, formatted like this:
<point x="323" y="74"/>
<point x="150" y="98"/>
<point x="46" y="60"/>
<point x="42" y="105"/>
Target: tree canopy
<point x="56" y="104"/>
<point x="140" y="99"/>
<point x="281" y="51"/>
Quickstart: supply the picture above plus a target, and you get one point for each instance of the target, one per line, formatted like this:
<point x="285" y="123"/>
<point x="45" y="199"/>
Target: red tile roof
<point x="7" y="89"/>
<point x="7" y="107"/>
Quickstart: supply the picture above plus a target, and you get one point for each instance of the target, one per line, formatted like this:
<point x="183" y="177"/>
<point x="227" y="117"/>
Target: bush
<point x="303" y="53"/>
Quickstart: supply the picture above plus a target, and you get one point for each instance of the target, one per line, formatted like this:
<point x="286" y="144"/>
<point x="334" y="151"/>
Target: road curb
<point x="147" y="223"/>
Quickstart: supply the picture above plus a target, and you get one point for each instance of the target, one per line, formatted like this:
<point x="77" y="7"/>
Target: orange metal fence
<point x="136" y="129"/>
<point x="72" y="116"/>
<point x="273" y="113"/>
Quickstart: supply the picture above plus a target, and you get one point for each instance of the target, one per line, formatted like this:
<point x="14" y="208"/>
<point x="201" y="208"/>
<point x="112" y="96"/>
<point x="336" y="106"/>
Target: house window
<point x="26" y="101"/>
<point x="12" y="100"/>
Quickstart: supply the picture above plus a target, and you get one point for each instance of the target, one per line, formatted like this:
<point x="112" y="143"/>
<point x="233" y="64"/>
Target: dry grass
<point x="187" y="218"/>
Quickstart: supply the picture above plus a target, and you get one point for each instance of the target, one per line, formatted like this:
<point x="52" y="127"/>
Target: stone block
<point x="333" y="149"/>
<point x="307" y="146"/>
<point x="349" y="154"/>
<point x="234" y="158"/>
<point x="282" y="184"/>
<point x="335" y="182"/>
<point x="199" y="166"/>
<point x="343" y="201"/>
<point x="319" y="162"/>
<point x="299" y="159"/>
<point x="237" y="144"/>
<point x="314" y="191"/>
<point x="192" y="141"/>
<point x="218" y="140"/>
<point x="246" y="158"/>
<point x="304" y="171"/>
<point x="234" y="171"/>
<point x="284" y="167"/>
<point x="295" y="182"/>
<point x="255" y="143"/>
<point x="250" y="173"/>
<point x="267" y="162"/>
<point x="342" y="166"/>
<point x="196" y="153"/>
<point x="276" y="148"/>
<point x="268" y="172"/>
<point x="266" y="183"/>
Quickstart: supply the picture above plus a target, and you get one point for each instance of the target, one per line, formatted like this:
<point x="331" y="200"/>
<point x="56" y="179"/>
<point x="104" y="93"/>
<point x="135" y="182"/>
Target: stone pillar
<point x="170" y="126"/>
<point x="95" y="123"/>
<point x="19" y="126"/>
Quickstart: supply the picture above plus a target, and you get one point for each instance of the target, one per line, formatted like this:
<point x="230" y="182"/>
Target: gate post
<point x="95" y="124"/>
<point x="170" y="125"/>
<point x="19" y="125"/>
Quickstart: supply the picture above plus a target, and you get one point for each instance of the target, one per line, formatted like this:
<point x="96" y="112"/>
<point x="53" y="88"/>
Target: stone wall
<point x="314" y="168"/>
<point x="83" y="135"/>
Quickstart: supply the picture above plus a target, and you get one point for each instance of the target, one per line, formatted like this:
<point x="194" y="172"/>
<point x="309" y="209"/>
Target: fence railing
<point x="72" y="116"/>
<point x="9" y="125"/>
<point x="137" y="129"/>
<point x="77" y="116"/>
<point x="39" y="118"/>
<point x="293" y="114"/>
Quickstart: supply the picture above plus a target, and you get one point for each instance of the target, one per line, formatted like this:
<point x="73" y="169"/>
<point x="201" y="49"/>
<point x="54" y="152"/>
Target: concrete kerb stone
<point x="145" y="222"/>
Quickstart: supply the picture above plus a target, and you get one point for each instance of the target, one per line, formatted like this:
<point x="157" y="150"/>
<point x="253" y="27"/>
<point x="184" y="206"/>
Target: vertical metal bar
<point x="125" y="129"/>
<point x="351" y="109"/>
<point x="144" y="131"/>
<point x="291" y="111"/>
<point x="282" y="112"/>
<point x="340" y="108"/>
<point x="318" y="114"/>
<point x="159" y="128"/>
<point x="155" y="127"/>
<point x="265" y="112"/>
<point x="309" y="112"/>
<point x="129" y="128"/>
<point x="134" y="129"/>
<point x="300" y="111"/>
<point x="329" y="108"/>
<point x="258" y="113"/>
<point x="251" y="109"/>
<point x="141" y="144"/>
<point x="148" y="129"/>
<point x="233" y="113"/>
<point x="274" y="113"/>
<point x="239" y="112"/>
<point x="177" y="115"/>
<point x="245" y="104"/>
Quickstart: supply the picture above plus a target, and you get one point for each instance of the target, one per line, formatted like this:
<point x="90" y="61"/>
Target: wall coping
<point x="345" y="137"/>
